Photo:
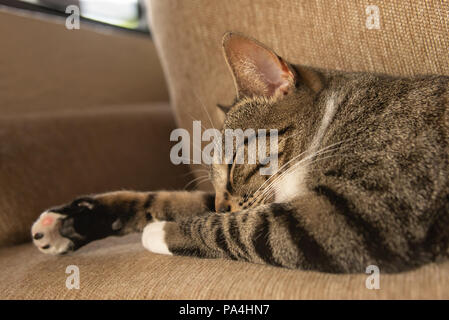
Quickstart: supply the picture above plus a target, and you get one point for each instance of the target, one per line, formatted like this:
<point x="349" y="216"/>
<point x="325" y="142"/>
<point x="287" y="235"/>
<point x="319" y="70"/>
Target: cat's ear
<point x="257" y="70"/>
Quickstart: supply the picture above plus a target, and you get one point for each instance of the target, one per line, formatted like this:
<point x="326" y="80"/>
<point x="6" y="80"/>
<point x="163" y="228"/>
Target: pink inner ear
<point x="47" y="221"/>
<point x="276" y="77"/>
<point x="258" y="71"/>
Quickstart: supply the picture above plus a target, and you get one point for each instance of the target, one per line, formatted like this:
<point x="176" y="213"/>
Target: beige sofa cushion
<point x="120" y="268"/>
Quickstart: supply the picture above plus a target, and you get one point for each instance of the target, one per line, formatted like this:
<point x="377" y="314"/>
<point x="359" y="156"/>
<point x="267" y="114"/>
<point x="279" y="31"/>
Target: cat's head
<point x="271" y="94"/>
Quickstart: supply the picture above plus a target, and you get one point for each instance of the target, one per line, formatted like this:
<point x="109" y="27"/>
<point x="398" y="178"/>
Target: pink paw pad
<point x="47" y="221"/>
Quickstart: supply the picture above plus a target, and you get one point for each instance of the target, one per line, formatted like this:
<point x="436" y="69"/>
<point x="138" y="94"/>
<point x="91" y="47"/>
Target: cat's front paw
<point x="68" y="227"/>
<point x="154" y="238"/>
<point x="46" y="234"/>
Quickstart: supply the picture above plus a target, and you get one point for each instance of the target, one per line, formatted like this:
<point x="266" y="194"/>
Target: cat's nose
<point x="227" y="206"/>
<point x="224" y="202"/>
<point x="221" y="201"/>
<point x="224" y="208"/>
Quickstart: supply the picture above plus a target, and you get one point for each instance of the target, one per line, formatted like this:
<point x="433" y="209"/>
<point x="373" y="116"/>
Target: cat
<point x="362" y="179"/>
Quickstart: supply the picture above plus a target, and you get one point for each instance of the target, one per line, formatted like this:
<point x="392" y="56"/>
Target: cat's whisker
<point x="204" y="128"/>
<point x="195" y="179"/>
<point x="190" y="161"/>
<point x="297" y="156"/>
<point x="205" y="109"/>
<point x="202" y="181"/>
<point x="319" y="152"/>
<point x="274" y="174"/>
<point x="311" y="156"/>
<point x="210" y="119"/>
<point x="194" y="171"/>
<point x="294" y="167"/>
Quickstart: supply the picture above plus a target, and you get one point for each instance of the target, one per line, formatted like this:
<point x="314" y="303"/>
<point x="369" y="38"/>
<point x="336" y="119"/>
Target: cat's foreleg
<point x="68" y="227"/>
<point x="307" y="233"/>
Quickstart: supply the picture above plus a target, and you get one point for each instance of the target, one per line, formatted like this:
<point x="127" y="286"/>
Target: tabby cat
<point x="362" y="178"/>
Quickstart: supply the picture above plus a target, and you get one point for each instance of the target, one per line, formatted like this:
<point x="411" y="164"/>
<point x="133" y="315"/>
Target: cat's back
<point x="391" y="138"/>
<point x="388" y="170"/>
<point x="397" y="118"/>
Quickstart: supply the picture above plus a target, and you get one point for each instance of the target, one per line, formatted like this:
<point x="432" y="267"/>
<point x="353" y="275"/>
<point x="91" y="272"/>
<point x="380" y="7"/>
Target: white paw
<point x="153" y="238"/>
<point x="46" y="235"/>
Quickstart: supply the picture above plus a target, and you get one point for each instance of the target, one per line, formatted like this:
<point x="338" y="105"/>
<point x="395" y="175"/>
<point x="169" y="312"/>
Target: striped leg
<point x="275" y="234"/>
<point x="68" y="227"/>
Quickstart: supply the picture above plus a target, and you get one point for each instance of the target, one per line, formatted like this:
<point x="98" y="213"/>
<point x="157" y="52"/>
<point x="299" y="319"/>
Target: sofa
<point x="89" y="111"/>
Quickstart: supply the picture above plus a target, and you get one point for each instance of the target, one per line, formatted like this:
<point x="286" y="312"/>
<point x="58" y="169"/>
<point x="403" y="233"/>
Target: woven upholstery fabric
<point x="49" y="158"/>
<point x="120" y="268"/>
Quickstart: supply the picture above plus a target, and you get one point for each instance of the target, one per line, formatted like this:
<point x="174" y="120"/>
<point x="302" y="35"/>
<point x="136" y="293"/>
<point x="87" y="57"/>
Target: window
<point x="127" y="14"/>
